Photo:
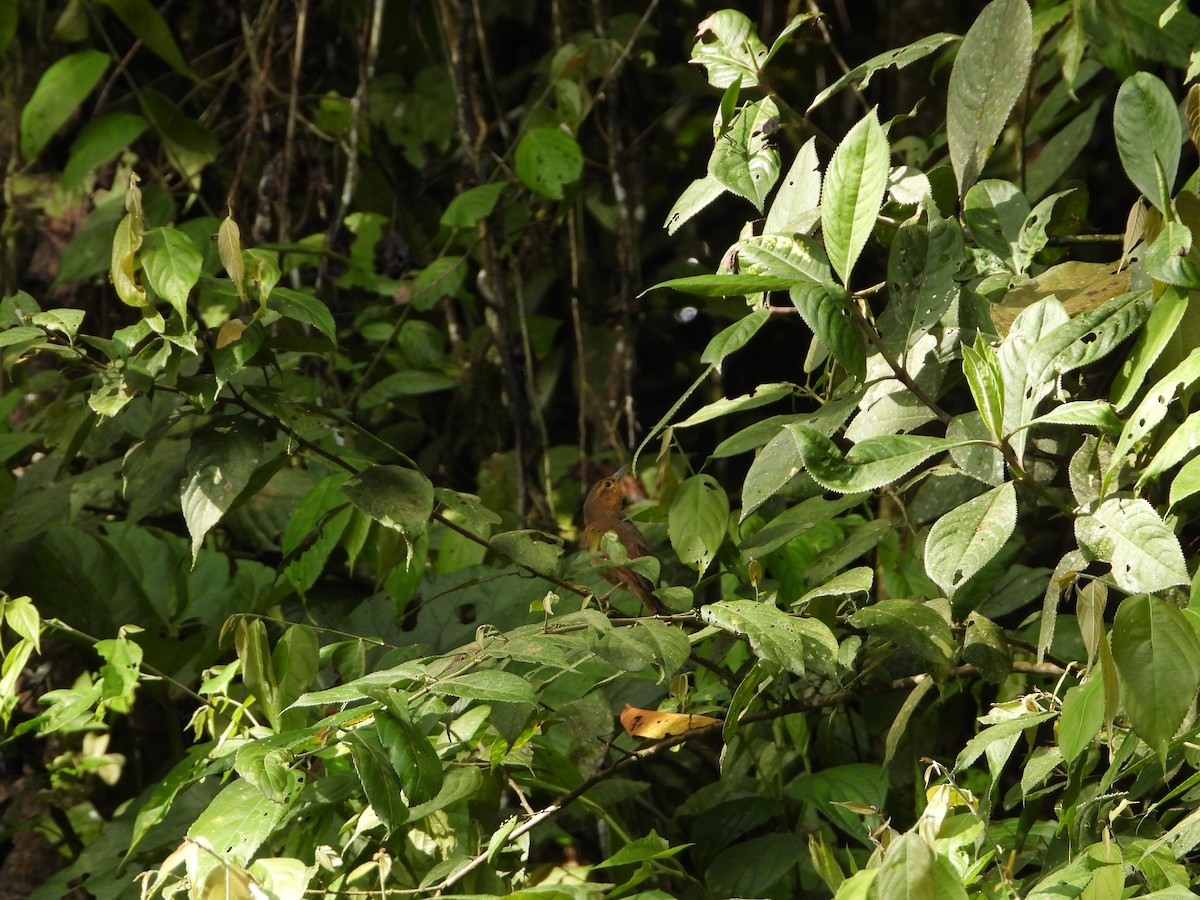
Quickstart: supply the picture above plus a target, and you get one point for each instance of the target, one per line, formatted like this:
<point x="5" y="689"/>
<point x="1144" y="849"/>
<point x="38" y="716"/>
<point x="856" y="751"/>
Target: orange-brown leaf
<point x="653" y="725"/>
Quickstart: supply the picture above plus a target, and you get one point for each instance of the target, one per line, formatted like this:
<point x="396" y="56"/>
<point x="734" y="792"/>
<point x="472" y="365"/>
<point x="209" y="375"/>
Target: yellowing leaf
<point x="653" y="725"/>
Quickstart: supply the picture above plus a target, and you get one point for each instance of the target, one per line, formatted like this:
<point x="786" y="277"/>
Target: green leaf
<point x="799" y="195"/>
<point x="911" y="868"/>
<point x="1183" y="441"/>
<point x="921" y="286"/>
<point x="790" y="642"/>
<point x="472" y="205"/>
<point x="725" y="285"/>
<point x="99" y="141"/>
<point x="172" y="266"/>
<point x="1081" y="717"/>
<point x="982" y="368"/>
<point x="379" y="780"/>
<point x="734" y="337"/>
<point x="1060" y="152"/>
<point x="64" y="321"/>
<point x="729" y="49"/>
<point x="1128" y="533"/>
<point x="1157" y="656"/>
<point x="397" y="498"/>
<point x="743" y="160"/>
<point x="547" y="160"/>
<point x="1154" y="406"/>
<point x="989" y="74"/>
<point x="239" y="820"/>
<point x="999" y="733"/>
<point x="412" y="756"/>
<point x="966" y="539"/>
<point x="695" y="197"/>
<point x="1187" y="482"/>
<point x="762" y="395"/>
<point x="918" y="628"/>
<point x="149" y="27"/>
<point x="1167" y="313"/>
<point x="749" y="868"/>
<point x="794" y="257"/>
<point x="870" y="464"/>
<point x="825" y="310"/>
<point x="899" y="58"/>
<point x="996" y="211"/>
<point x="189" y="145"/>
<point x="1149" y="134"/>
<point x="697" y="521"/>
<point x="488" y="685"/>
<point x="1169" y="259"/>
<point x="853" y="193"/>
<point x="60" y="90"/>
<point x="986" y="648"/>
<point x="303" y="307"/>
<point x="222" y="457"/>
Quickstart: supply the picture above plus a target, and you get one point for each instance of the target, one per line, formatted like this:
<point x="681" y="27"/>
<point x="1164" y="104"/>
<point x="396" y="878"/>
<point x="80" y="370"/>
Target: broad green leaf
<point x="743" y="159"/>
<point x="799" y="195"/>
<point x="397" y="498"/>
<point x="749" y="868"/>
<point x="899" y="58"/>
<point x="1149" y="134"/>
<point x="853" y="193"/>
<point x="238" y="820"/>
<point x="222" y="457"/>
<point x="190" y="145"/>
<point x="149" y="27"/>
<point x="99" y="141"/>
<point x="825" y="310"/>
<point x="1060" y="152"/>
<point x="966" y="539"/>
<point x="734" y="337"/>
<point x="1157" y="655"/>
<point x="547" y="160"/>
<point x="1128" y="533"/>
<point x="854" y="581"/>
<point x="1153" y="408"/>
<point x="413" y="758"/>
<point x="982" y="368"/>
<point x="1081" y="718"/>
<point x="487" y="685"/>
<point x="441" y="278"/>
<point x="472" y="205"/>
<point x="1032" y="238"/>
<point x="790" y="642"/>
<point x="911" y="868"/>
<point x="870" y="464"/>
<point x="1170" y="258"/>
<point x="918" y="628"/>
<point x="989" y="74"/>
<point x="172" y="266"/>
<point x="697" y="521"/>
<point x="1096" y="413"/>
<point x="922" y="264"/>
<point x="1160" y="328"/>
<point x="60" y="90"/>
<point x="729" y="49"/>
<point x="379" y="780"/>
<point x="1186" y="482"/>
<point x="996" y="211"/>
<point x="303" y="307"/>
<point x="695" y="197"/>
<point x="794" y="257"/>
<point x="903" y="716"/>
<point x="859" y="783"/>
<point x="986" y="648"/>
<point x="64" y="321"/>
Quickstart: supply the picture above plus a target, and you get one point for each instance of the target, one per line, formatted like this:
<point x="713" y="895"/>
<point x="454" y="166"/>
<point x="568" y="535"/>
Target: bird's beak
<point x="621" y="473"/>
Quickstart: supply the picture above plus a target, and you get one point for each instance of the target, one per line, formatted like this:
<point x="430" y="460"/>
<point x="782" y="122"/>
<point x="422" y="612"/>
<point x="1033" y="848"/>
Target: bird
<point x="602" y="512"/>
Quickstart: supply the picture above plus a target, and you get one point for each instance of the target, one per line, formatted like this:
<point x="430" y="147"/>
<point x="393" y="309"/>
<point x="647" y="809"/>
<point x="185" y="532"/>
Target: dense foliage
<point x="334" y="311"/>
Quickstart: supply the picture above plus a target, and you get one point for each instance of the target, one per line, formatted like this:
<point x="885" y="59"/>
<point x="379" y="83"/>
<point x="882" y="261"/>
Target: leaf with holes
<point x="1128" y="534"/>
<point x="743" y="160"/>
<point x="966" y="539"/>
